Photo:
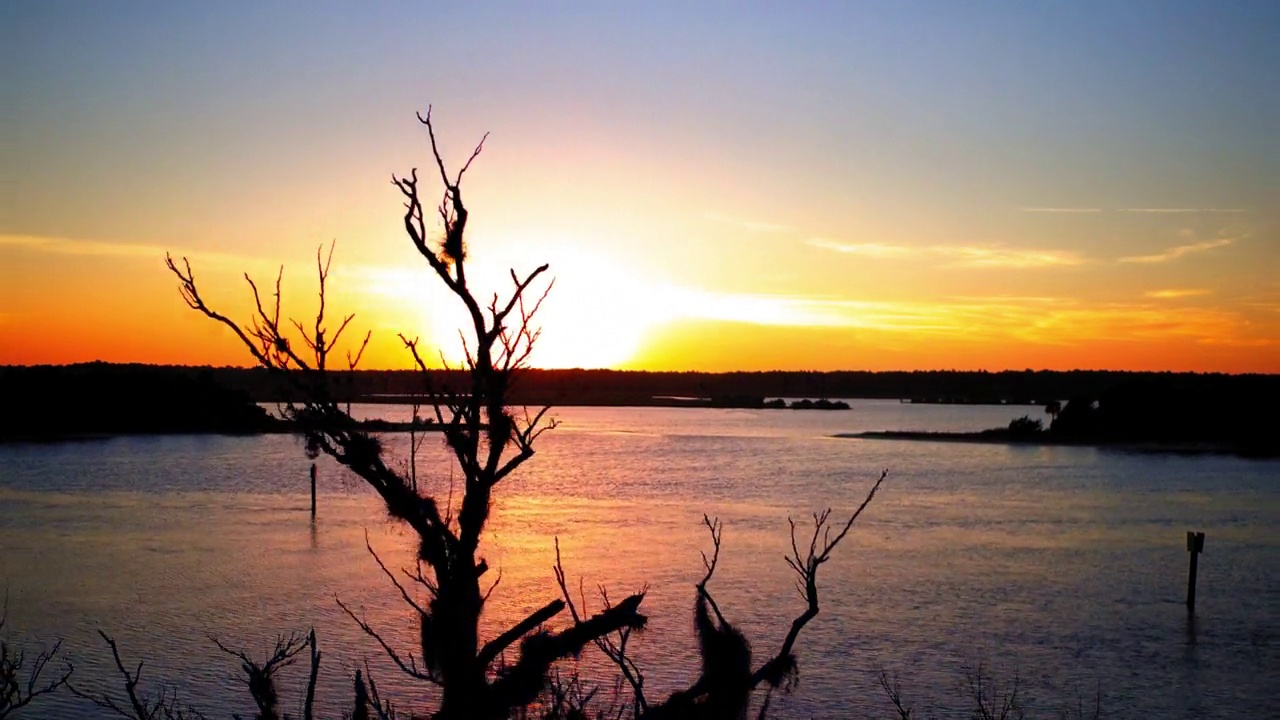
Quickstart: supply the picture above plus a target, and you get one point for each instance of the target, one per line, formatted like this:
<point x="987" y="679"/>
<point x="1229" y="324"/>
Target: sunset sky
<point x="862" y="185"/>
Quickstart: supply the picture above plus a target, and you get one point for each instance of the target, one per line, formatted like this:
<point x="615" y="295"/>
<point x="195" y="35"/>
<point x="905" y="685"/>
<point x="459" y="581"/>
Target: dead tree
<point x="477" y="678"/>
<point x="488" y="442"/>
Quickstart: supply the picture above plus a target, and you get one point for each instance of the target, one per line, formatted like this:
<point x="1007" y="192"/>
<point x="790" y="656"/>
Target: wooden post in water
<point x="1195" y="546"/>
<point x="315" y="671"/>
<point x="313" y="491"/>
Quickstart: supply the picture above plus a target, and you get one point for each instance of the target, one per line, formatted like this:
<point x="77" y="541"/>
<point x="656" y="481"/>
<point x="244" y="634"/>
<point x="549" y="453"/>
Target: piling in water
<point x="1195" y="546"/>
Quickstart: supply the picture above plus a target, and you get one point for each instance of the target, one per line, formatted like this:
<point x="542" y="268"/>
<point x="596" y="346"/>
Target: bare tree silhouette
<point x="489" y="439"/>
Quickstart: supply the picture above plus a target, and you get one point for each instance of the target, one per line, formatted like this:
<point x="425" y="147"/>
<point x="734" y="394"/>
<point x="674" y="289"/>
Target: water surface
<point x="1062" y="566"/>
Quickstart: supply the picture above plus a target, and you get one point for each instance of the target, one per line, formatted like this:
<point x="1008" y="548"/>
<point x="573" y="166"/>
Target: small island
<point x="820" y="404"/>
<point x="748" y="402"/>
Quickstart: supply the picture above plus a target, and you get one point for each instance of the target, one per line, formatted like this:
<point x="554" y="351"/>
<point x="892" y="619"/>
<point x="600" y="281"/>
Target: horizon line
<point x="639" y="370"/>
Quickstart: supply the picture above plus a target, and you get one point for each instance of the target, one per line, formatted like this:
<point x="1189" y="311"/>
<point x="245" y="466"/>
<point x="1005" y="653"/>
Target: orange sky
<point x="758" y="192"/>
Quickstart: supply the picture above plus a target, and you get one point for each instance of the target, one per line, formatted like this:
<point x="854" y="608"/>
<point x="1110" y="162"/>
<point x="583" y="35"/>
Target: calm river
<point x="1064" y="568"/>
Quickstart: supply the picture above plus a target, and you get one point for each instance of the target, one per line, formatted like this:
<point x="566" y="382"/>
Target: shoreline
<point x="999" y="436"/>
<point x="282" y="428"/>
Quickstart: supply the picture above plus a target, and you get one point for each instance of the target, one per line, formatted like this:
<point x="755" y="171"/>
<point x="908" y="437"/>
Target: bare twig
<point x="260" y="677"/>
<point x="613" y="645"/>
<point x="894" y="691"/>
<point x="391" y="576"/>
<point x="136" y="706"/>
<point x="806" y="569"/>
<point x="410" y="667"/>
<point x="990" y="702"/>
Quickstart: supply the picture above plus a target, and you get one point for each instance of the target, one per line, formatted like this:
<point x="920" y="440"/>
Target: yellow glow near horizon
<point x="603" y="312"/>
<point x="596" y="314"/>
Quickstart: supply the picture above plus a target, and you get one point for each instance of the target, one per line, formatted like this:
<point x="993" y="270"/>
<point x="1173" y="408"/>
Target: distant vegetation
<point x="1104" y="407"/>
<point x="1183" y="413"/>
<point x="627" y="387"/>
<point x="739" y="389"/>
<point x="1025" y="427"/>
<point x="102" y="399"/>
<point x="1176" y="410"/>
<point x="822" y="404"/>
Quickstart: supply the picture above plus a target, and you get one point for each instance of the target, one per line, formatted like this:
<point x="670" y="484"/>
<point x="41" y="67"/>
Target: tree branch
<point x="164" y="706"/>
<point x="494" y="647"/>
<point x="520" y="684"/>
<point x="777" y="667"/>
<point x="410" y="668"/>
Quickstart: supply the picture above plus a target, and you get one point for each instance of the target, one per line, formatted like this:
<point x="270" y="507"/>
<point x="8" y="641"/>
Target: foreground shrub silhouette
<point x="1025" y="427"/>
<point x="475" y="678"/>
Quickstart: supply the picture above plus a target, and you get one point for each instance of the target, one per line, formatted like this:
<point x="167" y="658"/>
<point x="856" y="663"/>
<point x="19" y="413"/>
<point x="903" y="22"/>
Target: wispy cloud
<point x="107" y="248"/>
<point x="1182" y="210"/>
<point x="1061" y="210"/>
<point x="1174" y="253"/>
<point x="866" y="249"/>
<point x="65" y="246"/>
<point x="1039" y="320"/>
<point x="755" y="226"/>
<point x="972" y="256"/>
<point x="1175" y="294"/>
<point x="1002" y="257"/>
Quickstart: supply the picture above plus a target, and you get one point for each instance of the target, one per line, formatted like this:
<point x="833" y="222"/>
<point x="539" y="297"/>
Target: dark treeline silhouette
<point x="1103" y="407"/>
<point x="99" y="398"/>
<point x="1177" y="409"/>
<point x="629" y="387"/>
<point x="1171" y="412"/>
<point x="642" y="388"/>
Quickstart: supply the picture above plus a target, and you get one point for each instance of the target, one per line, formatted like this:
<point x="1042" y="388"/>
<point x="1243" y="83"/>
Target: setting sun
<point x="595" y="315"/>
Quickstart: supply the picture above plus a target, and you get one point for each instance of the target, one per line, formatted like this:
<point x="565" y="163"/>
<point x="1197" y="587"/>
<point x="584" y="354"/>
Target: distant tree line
<point x="99" y="398"/>
<point x="1175" y="409"/>
<point x="103" y="398"/>
<point x="630" y="387"/>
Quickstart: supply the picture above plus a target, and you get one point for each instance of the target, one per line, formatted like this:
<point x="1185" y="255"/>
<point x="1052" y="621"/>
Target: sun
<point x="595" y="316"/>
